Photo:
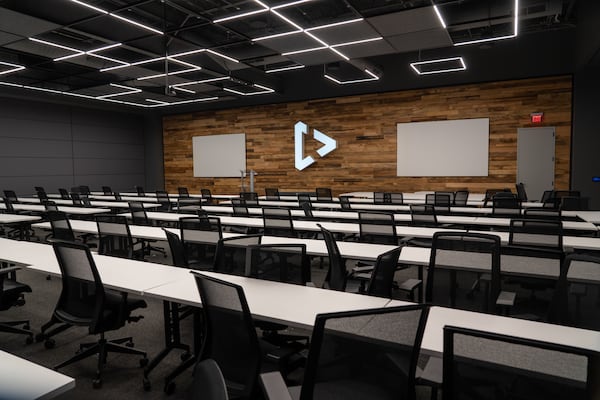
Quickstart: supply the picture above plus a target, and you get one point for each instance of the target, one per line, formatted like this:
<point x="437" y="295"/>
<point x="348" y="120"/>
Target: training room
<point x="299" y="199"/>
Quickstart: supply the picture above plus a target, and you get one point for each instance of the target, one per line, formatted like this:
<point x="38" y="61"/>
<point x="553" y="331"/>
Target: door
<point x="535" y="160"/>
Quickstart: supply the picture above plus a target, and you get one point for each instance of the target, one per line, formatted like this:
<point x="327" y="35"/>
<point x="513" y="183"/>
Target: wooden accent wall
<point x="365" y="129"/>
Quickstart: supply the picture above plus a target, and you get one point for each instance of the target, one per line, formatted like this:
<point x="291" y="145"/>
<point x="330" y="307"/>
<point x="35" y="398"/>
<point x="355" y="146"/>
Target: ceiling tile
<point x="413" y="41"/>
<point x="414" y="20"/>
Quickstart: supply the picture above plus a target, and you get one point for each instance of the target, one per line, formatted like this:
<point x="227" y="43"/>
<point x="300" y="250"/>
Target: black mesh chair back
<point x="117" y="196"/>
<point x="379" y="197"/>
<point x="39" y="189"/>
<point x="490" y="193"/>
<point x="547" y="196"/>
<point x="423" y="215"/>
<point x="188" y="205"/>
<point x="278" y="222"/>
<point x="324" y="194"/>
<point x="394" y="198"/>
<point x="50" y="206"/>
<point x="240" y="209"/>
<point x="8" y="206"/>
<point x="251" y="198"/>
<point x="542" y="213"/>
<point x="272" y="194"/>
<point x="521" y="193"/>
<point x="208" y="382"/>
<point x="345" y="203"/>
<point x="138" y="213"/>
<point x="114" y="236"/>
<point x="337" y="275"/>
<point x="206" y="196"/>
<point x="484" y="365"/>
<point x="64" y="194"/>
<point x="43" y="196"/>
<point x="441" y="199"/>
<point x="107" y="190"/>
<point x="140" y="190"/>
<point x="461" y="197"/>
<point x="11" y="196"/>
<point x="377" y="227"/>
<point x="381" y="283"/>
<point x="304" y="198"/>
<point x="287" y="263"/>
<point x="366" y="354"/>
<point x="177" y="249"/>
<point x="61" y="227"/>
<point x="307" y="208"/>
<point x="231" y="254"/>
<point x="76" y="199"/>
<point x="230" y="336"/>
<point x="200" y="236"/>
<point x="84" y="189"/>
<point x="183" y="192"/>
<point x="536" y="233"/>
<point x="163" y="199"/>
<point x="457" y="259"/>
<point x="506" y="206"/>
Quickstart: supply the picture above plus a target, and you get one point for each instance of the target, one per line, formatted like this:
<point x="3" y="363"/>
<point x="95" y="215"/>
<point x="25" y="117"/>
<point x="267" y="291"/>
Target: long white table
<point x="40" y="208"/>
<point x="23" y="379"/>
<point x="93" y="203"/>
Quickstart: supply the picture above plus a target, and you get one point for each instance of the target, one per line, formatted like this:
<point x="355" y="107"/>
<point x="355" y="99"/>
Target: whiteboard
<point x="443" y="148"/>
<point x="219" y="156"/>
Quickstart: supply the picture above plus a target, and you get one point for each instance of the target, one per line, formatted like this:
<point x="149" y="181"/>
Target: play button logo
<point x="301" y="129"/>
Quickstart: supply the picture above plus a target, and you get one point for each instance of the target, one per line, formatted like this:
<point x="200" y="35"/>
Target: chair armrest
<point x="365" y="268"/>
<point x="310" y="284"/>
<point x="506" y="299"/>
<point x="274" y="387"/>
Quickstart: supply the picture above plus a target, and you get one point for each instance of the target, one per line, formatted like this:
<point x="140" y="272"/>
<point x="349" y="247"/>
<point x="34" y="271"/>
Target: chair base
<point x="18" y="327"/>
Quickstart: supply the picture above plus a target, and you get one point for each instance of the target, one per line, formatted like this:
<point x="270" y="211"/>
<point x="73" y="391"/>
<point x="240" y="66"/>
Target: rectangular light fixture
<point x="356" y="42"/>
<point x="14" y="68"/>
<point x="173" y="103"/>
<point x="242" y="15"/>
<point x="451" y="64"/>
<point x="127" y="20"/>
<point x="514" y="34"/>
<point x="289" y="53"/>
<point x="276" y="35"/>
<point x="183" y="71"/>
<point x="291" y="67"/>
<point x="266" y="90"/>
<point x="182" y="89"/>
<point x="439" y="15"/>
<point x="222" y="55"/>
<point x="339" y="82"/>
<point x="129" y="90"/>
<point x="92" y="53"/>
<point x="221" y="78"/>
<point x="349" y="21"/>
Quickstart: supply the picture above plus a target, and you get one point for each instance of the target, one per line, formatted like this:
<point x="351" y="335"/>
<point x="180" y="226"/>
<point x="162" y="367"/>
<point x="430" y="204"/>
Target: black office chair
<point x="208" y="382"/>
<point x="207" y="196"/>
<point x="84" y="302"/>
<point x="114" y="238"/>
<point x="485" y="365"/>
<point x="381" y="283"/>
<point x="200" y="236"/>
<point x="107" y="190"/>
<point x="379" y="198"/>
<point x="140" y="217"/>
<point x="163" y="199"/>
<point x="377" y="227"/>
<point x="11" y="196"/>
<point x="278" y="222"/>
<point x="231" y="254"/>
<point x="64" y="194"/>
<point x="84" y="190"/>
<point x="272" y="194"/>
<point x="506" y="206"/>
<point x="423" y="215"/>
<point x="521" y="193"/>
<point x="461" y="198"/>
<point x="285" y="262"/>
<point x="12" y="294"/>
<point x="50" y="205"/>
<point x="366" y="354"/>
<point x="61" y="226"/>
<point x="250" y="198"/>
<point x="240" y="208"/>
<point x="231" y="339"/>
<point x="183" y="192"/>
<point x="140" y="190"/>
<point x="345" y="203"/>
<point x="337" y="274"/>
<point x="43" y="196"/>
<point x="188" y="205"/>
<point x="324" y="194"/>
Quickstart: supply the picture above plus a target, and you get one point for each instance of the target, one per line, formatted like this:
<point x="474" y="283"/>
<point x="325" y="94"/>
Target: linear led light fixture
<point x="515" y="33"/>
<point x="222" y="78"/>
<point x="439" y="71"/>
<point x="270" y="71"/>
<point x="357" y="42"/>
<point x="165" y="103"/>
<point x="133" y="64"/>
<point x="349" y="21"/>
<point x="183" y="71"/>
<point x="289" y="53"/>
<point x="439" y="15"/>
<point x="242" y="15"/>
<point x="127" y="20"/>
<point x="293" y="3"/>
<point x="372" y="78"/>
<point x="222" y="55"/>
<point x="276" y="35"/>
<point x="91" y="52"/>
<point x="130" y="90"/>
<point x="266" y="90"/>
<point x="182" y="89"/>
<point x="14" y="69"/>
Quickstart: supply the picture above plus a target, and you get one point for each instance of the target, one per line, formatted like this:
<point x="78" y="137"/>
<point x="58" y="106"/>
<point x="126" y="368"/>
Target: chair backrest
<point x="140" y="190"/>
<point x="536" y="233"/>
<point x="188" y="204"/>
<point x="206" y="195"/>
<point x="117" y="196"/>
<point x="232" y="254"/>
<point x="11" y="196"/>
<point x="231" y="338"/>
<point x="324" y="194"/>
<point x="506" y="206"/>
<point x="8" y="206"/>
<point x="39" y="189"/>
<point x="50" y="205"/>
<point x="82" y="297"/>
<point x="454" y="253"/>
<point x="379" y="198"/>
<point x="373" y="353"/>
<point x="114" y="237"/>
<point x="64" y="194"/>
<point x="304" y="198"/>
<point x="490" y="193"/>
<point x="461" y="197"/>
<point x="272" y="194"/>
<point x="200" y="230"/>
<point x="240" y="209"/>
<point x="287" y="263"/>
<point x="345" y="203"/>
<point x="381" y="283"/>
<point x="61" y="227"/>
<point x="442" y="200"/>
<point x="84" y="189"/>
<point x="394" y="198"/>
<point x="423" y="215"/>
<point x="572" y="203"/>
<point x="76" y="199"/>
<point x="307" y="208"/>
<point x="163" y="199"/>
<point x="106" y="190"/>
<point x="208" y="382"/>
<point x="542" y="213"/>
<point x="377" y="227"/>
<point x="251" y="198"/>
<point x="43" y="196"/>
<point x="336" y="275"/>
<point x="278" y="222"/>
<point x="138" y="213"/>
<point x="499" y="366"/>
<point x="521" y="193"/>
<point x="177" y="249"/>
<point x="183" y="192"/>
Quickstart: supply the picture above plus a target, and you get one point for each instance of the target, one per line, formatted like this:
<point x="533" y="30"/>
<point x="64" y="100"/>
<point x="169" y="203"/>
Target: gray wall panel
<point x="107" y="119"/>
<point x="49" y="130"/>
<point x="27" y="166"/>
<point x="94" y="133"/>
<point x="24" y="185"/>
<point x="34" y="111"/>
<point x="118" y="183"/>
<point x="108" y="151"/>
<point x="111" y="167"/>
<point x="13" y="147"/>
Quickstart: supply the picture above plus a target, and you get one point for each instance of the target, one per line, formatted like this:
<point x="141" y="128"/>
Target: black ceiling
<point x="169" y="54"/>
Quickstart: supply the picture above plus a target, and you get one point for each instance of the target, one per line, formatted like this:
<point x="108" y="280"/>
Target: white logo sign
<point x="301" y="129"/>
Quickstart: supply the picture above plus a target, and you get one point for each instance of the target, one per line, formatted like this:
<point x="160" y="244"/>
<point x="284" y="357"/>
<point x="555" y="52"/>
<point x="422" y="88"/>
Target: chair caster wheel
<point x="49" y="343"/>
<point x="170" y="388"/>
<point x="39" y="337"/>
<point x="97" y="383"/>
<point x="29" y="340"/>
<point x="185" y="356"/>
<point x="146" y="384"/>
<point x="144" y="362"/>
